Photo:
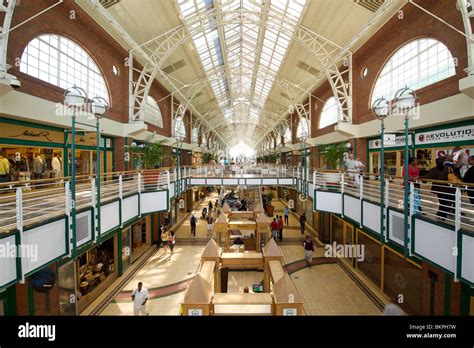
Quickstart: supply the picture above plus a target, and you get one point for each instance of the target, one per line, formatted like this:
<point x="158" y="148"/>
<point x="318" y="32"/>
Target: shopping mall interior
<point x="236" y="158"/>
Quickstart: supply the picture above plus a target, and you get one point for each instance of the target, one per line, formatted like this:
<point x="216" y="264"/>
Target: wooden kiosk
<point x="230" y="220"/>
<point x="280" y="296"/>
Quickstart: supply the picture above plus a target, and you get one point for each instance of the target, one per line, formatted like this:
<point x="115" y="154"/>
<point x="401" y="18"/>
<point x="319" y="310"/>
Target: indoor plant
<point x="268" y="203"/>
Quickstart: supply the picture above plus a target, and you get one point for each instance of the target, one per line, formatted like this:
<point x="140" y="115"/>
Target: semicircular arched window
<point x="288" y="136"/>
<point x="151" y="112"/>
<point x="302" y="132"/>
<point x="330" y="113"/>
<point x="179" y="128"/>
<point x="63" y="63"/>
<point x="195" y="135"/>
<point x="417" y="64"/>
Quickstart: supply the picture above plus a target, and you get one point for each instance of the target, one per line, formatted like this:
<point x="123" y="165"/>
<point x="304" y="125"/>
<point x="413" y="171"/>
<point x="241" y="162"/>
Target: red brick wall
<point x="319" y="98"/>
<point x="394" y="34"/>
<point x="426" y="290"/>
<point x="92" y="38"/>
<point x="361" y="150"/>
<point x="119" y="153"/>
<point x="83" y="30"/>
<point x="440" y="292"/>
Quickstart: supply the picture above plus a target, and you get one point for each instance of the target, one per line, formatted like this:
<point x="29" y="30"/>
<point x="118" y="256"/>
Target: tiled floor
<point x="326" y="289"/>
<point x="159" y="271"/>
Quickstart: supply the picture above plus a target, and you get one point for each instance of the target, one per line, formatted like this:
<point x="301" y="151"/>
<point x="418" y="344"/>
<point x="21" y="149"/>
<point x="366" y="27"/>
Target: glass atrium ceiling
<point x="249" y="54"/>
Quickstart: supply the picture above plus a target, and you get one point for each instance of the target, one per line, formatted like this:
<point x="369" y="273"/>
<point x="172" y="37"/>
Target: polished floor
<point x="325" y="287"/>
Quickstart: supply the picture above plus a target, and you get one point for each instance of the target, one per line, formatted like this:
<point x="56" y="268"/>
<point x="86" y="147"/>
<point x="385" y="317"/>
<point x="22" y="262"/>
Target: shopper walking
<point x="164" y="240"/>
<point x="193" y="222"/>
<point x="308" y="250"/>
<point x="209" y="208"/>
<point x="274" y="228"/>
<point x="286" y="213"/>
<point x="209" y="226"/>
<point x="140" y="298"/>
<point x="302" y="222"/>
<point x="171" y="242"/>
<point x="280" y="228"/>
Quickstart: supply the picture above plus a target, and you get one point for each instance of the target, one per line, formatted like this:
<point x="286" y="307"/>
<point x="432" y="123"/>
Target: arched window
<point x="330" y="113"/>
<point x="195" y="135"/>
<point x="288" y="136"/>
<point x="179" y="128"/>
<point x="151" y="112"/>
<point x="63" y="63"/>
<point x="417" y="64"/>
<point x="302" y="132"/>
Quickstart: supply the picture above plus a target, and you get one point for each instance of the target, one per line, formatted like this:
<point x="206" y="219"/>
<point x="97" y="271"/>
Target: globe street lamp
<point x="404" y="102"/>
<point x="75" y="98"/>
<point x="99" y="107"/>
<point x="381" y="110"/>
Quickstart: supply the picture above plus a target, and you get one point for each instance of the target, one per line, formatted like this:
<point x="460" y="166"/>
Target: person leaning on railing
<point x="443" y="190"/>
<point x="469" y="178"/>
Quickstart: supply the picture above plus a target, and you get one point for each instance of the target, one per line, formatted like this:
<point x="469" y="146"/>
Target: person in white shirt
<point x="360" y="169"/>
<point x="140" y="298"/>
<point x="56" y="165"/>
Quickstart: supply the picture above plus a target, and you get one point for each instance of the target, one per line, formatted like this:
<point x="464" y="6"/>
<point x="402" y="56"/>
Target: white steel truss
<point x="325" y="52"/>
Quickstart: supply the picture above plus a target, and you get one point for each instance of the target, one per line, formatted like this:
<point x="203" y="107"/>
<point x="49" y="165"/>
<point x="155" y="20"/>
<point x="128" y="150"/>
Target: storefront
<point x="425" y="144"/>
<point x="135" y="240"/>
<point x="96" y="269"/>
<point x="38" y="151"/>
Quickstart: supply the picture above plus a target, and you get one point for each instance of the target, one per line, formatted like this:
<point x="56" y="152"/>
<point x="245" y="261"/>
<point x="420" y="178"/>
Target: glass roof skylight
<point x="250" y="53"/>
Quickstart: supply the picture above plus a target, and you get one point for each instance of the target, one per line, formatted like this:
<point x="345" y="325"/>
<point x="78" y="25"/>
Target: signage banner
<point x="443" y="152"/>
<point x="396" y="141"/>
<point x="464" y="133"/>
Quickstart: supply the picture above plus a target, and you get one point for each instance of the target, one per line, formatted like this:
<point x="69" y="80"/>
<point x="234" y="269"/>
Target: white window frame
<point x="151" y="112"/>
<point x="60" y="61"/>
<point x="330" y="114"/>
<point x="417" y="64"/>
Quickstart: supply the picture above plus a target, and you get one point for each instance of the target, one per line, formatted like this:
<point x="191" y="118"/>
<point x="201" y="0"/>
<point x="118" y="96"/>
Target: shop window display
<point x="95" y="266"/>
<point x="28" y="163"/>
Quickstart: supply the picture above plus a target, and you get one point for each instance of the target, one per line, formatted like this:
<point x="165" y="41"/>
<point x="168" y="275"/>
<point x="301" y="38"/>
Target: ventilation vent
<point x="175" y="66"/>
<point x="108" y="3"/>
<point x="198" y="95"/>
<point x="308" y="68"/>
<point x="371" y="5"/>
<point x="284" y="95"/>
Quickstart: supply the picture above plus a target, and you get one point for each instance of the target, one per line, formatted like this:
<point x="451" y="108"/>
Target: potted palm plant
<point x="269" y="208"/>
<point x="334" y="153"/>
<point x="153" y="155"/>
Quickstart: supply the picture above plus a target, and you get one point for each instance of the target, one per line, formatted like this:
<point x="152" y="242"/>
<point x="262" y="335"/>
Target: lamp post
<point x="302" y="137"/>
<point x="405" y="100"/>
<point x="75" y="98"/>
<point x="99" y="107"/>
<point x="381" y="110"/>
<point x="180" y="137"/>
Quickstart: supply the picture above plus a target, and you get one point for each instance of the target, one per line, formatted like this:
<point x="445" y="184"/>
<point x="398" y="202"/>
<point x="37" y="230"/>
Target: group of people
<point x="452" y="168"/>
<point x="354" y="167"/>
<point x="276" y="226"/>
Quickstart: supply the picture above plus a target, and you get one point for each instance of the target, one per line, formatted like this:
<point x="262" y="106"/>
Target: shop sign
<point x="14" y="131"/>
<point x="397" y="142"/>
<point x="289" y="311"/>
<point x="444" y="152"/>
<point x="445" y="135"/>
<point x="195" y="312"/>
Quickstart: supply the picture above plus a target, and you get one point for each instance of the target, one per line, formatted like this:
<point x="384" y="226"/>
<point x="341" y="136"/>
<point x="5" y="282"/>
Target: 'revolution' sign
<point x="445" y="135"/>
